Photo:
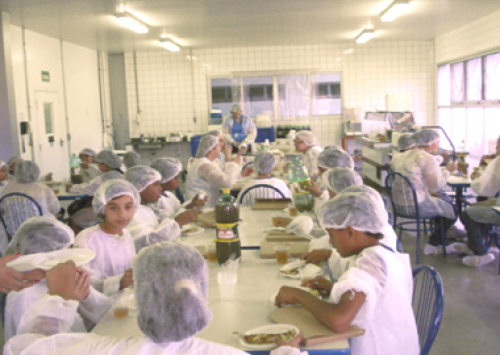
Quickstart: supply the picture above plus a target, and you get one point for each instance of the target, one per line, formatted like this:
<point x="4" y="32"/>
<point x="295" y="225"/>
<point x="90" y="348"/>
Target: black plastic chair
<point x="428" y="305"/>
<point x="260" y="191"/>
<point x="405" y="205"/>
<point x="15" y="208"/>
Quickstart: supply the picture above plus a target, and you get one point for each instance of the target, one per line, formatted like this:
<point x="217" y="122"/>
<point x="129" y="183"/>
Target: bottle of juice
<point x="298" y="177"/>
<point x="227" y="217"/>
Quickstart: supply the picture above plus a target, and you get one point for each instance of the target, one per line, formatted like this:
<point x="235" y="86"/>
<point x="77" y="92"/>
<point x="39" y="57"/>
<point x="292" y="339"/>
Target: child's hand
<point x="319" y="283"/>
<point x="61" y="280"/>
<point x="295" y="342"/>
<point x="314" y="189"/>
<point x="247" y="171"/>
<point x="316" y="256"/>
<point x="127" y="279"/>
<point x="82" y="288"/>
<point x="287" y="295"/>
<point x="186" y="217"/>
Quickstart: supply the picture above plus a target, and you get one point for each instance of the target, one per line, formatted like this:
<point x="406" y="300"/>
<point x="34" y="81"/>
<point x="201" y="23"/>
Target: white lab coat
<point x="310" y="157"/>
<point x="146" y="228"/>
<point x="208" y="176"/>
<point x="93" y="308"/>
<point x="488" y="184"/>
<point x="113" y="257"/>
<point x="385" y="277"/>
<point x="90" y="173"/>
<point x="169" y="203"/>
<point x="91" y="187"/>
<point x="49" y="336"/>
<point x="275" y="182"/>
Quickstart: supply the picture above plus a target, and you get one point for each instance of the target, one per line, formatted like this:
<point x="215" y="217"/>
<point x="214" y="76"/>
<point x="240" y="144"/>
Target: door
<point x="50" y="145"/>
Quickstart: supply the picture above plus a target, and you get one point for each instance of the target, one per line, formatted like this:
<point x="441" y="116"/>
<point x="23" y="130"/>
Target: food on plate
<point x="191" y="230"/>
<point x="314" y="292"/>
<point x="267" y="338"/>
<point x="291" y="272"/>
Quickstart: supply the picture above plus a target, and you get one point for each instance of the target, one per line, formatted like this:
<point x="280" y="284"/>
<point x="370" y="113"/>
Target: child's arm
<point x="337" y="317"/>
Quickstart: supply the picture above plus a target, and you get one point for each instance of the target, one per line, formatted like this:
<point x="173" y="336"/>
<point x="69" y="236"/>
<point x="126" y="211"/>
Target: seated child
<point x="264" y="164"/>
<point x="88" y="169"/>
<point x="131" y="159"/>
<point x="41" y="235"/>
<point x="114" y="203"/>
<point x="375" y="293"/>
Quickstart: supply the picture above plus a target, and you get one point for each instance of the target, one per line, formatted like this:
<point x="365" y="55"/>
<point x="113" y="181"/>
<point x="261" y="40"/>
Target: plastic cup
<point x="281" y="253"/>
<point x="56" y="190"/>
<point x="68" y="187"/>
<point x="211" y="255"/>
<point x="120" y="309"/>
<point x="292" y="209"/>
<point x="227" y="283"/>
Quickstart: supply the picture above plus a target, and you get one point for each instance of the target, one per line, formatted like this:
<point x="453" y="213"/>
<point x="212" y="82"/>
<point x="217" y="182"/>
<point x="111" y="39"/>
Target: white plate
<point x="47" y="261"/>
<point x="192" y="226"/>
<point x="298" y="276"/>
<point x="268" y="329"/>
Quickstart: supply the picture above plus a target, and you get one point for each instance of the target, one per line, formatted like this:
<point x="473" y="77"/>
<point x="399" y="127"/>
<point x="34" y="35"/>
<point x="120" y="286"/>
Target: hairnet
<point x="87" y="151"/>
<point x="142" y="176"/>
<point x="40" y="235"/>
<point x="13" y="160"/>
<point x="425" y="137"/>
<point x="109" y="158"/>
<point x="334" y="157"/>
<point x="131" y="159"/>
<point x="167" y="167"/>
<point x="308" y="137"/>
<point x="171" y="286"/>
<point x="264" y="162"/>
<point x="27" y="172"/>
<point x="216" y="133"/>
<point x="358" y="210"/>
<point x="300" y="226"/>
<point x="406" y="142"/>
<point x="207" y="143"/>
<point x="235" y="108"/>
<point x="338" y="179"/>
<point x="112" y="189"/>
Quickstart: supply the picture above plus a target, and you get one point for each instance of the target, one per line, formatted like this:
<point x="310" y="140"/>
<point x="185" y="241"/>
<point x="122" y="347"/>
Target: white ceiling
<point x="219" y="23"/>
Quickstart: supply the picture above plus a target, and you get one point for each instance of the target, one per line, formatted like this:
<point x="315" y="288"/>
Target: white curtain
<point x="444" y="85"/>
<point x="326" y="93"/>
<point x="457" y="82"/>
<point x="492" y="77"/>
<point x="474" y="79"/>
<point x="293" y="96"/>
<point x="258" y="96"/>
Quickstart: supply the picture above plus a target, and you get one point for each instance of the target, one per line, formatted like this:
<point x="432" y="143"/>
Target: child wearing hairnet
<point x="114" y="202"/>
<point x="306" y="143"/>
<point x="375" y="293"/>
<point x="88" y="169"/>
<point x="170" y="170"/>
<point x="171" y="291"/>
<point x="264" y="164"/>
<point x="109" y="164"/>
<point x="150" y="225"/>
<point x="41" y="235"/>
<point x="131" y="159"/>
<point x="4" y="175"/>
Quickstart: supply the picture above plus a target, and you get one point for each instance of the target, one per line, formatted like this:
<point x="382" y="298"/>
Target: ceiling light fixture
<point x="167" y="43"/>
<point x="396" y="9"/>
<point x="132" y="22"/>
<point x="365" y="36"/>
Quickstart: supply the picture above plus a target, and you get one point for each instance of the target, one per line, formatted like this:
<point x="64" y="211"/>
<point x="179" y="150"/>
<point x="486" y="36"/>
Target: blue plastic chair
<point x="405" y="205"/>
<point x="263" y="191"/>
<point x="15" y="208"/>
<point x="428" y="304"/>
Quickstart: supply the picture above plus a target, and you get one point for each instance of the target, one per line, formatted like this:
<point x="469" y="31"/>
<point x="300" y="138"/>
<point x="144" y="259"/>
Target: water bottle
<point x="74" y="163"/>
<point x="299" y="178"/>
<point x="227" y="217"/>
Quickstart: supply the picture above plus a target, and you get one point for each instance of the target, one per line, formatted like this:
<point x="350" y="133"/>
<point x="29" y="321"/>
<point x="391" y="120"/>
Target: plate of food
<point x="262" y="338"/>
<point x="47" y="261"/>
<point x="192" y="229"/>
<point x="299" y="269"/>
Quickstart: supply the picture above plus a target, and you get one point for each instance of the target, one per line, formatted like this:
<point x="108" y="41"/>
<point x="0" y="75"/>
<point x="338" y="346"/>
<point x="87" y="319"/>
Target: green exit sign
<point x="45" y="76"/>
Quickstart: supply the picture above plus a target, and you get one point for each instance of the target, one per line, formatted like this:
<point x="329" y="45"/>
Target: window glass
<point x="48" y="114"/>
<point x="457" y="82"/>
<point x="258" y="96"/>
<point x="225" y="92"/>
<point x="491" y="131"/>
<point x="492" y="77"/>
<point x="293" y="96"/>
<point x="475" y="131"/>
<point x="475" y="79"/>
<point x="444" y="85"/>
<point x="444" y="119"/>
<point x="326" y="94"/>
<point x="458" y="126"/>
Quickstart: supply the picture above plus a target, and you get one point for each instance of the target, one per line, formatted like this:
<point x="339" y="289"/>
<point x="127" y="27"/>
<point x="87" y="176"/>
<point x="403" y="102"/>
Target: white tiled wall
<point x="369" y="72"/>
<point x="475" y="38"/>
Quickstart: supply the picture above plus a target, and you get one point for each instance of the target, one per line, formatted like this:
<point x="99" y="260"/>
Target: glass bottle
<point x="227" y="217"/>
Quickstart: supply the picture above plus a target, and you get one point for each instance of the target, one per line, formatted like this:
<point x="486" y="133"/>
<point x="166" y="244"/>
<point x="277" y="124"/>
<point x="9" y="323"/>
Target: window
<point x="258" y="98"/>
<point x="492" y="76"/>
<point x="326" y="94"/>
<point x="48" y="113"/>
<point x="293" y="96"/>
<point x="225" y="92"/>
<point x="475" y="79"/>
<point x="457" y="82"/>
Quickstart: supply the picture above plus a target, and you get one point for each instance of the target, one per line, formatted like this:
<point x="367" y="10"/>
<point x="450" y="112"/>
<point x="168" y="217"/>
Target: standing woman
<point x="306" y="143"/>
<point x="239" y="130"/>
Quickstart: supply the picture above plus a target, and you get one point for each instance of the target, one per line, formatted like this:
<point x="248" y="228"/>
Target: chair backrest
<point x="428" y="304"/>
<point x="247" y="165"/>
<point x="403" y="196"/>
<point x="259" y="191"/>
<point x="15" y="208"/>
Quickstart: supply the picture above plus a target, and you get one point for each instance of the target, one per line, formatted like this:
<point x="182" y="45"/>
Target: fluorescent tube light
<point x="167" y="43"/>
<point x="365" y="36"/>
<point x="396" y="9"/>
<point x="132" y="22"/>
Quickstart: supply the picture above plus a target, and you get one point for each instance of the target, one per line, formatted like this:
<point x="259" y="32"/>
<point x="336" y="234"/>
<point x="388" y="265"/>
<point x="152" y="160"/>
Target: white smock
<point x="310" y="157"/>
<point x="248" y="129"/>
<point x="426" y="176"/>
<point x="147" y="229"/>
<point x="92" y="309"/>
<point x="169" y="203"/>
<point x="91" y="187"/>
<point x="113" y="256"/>
<point x="90" y="173"/>
<point x="204" y="175"/>
<point x="385" y="277"/>
<point x="252" y="194"/>
<point x="45" y="330"/>
<point x="488" y="184"/>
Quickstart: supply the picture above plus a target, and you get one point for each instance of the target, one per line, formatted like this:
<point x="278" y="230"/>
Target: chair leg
<point x="443" y="236"/>
<point x="425" y="227"/>
<point x="418" y="241"/>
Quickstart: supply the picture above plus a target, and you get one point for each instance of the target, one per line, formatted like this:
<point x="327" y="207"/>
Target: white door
<point x="50" y="145"/>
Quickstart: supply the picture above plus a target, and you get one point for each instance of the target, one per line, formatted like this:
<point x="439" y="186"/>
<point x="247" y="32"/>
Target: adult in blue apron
<point x="239" y="130"/>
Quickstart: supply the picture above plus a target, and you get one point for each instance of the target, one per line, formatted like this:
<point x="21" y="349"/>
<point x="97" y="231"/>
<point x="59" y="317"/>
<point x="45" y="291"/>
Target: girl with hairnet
<point x="114" y="203"/>
<point x="222" y="142"/>
<point x="42" y="235"/>
<point x="239" y="130"/>
<point x="11" y="165"/>
<point x="306" y="143"/>
<point x="206" y="175"/>
<point x="109" y="164"/>
<point x="375" y="293"/>
<point x="264" y="164"/>
<point x="171" y="290"/>
<point x="150" y="225"/>
<point x="88" y="169"/>
<point x="131" y="159"/>
<point x="4" y="175"/>
<point x="170" y="170"/>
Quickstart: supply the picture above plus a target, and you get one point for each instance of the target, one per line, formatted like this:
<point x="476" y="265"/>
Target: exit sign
<point x="45" y="76"/>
